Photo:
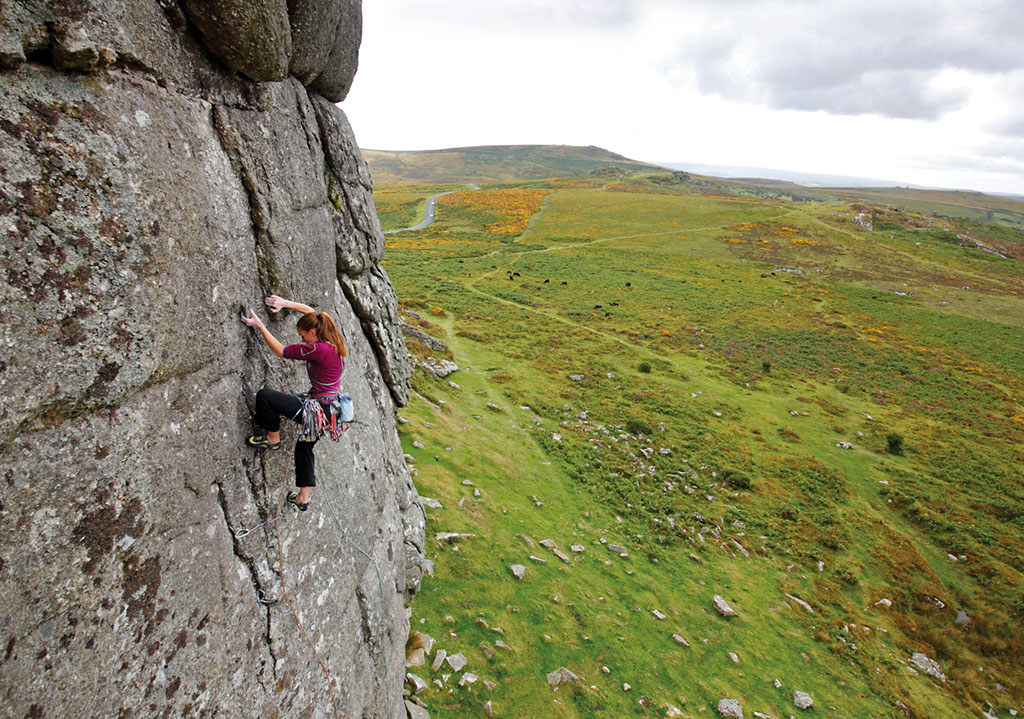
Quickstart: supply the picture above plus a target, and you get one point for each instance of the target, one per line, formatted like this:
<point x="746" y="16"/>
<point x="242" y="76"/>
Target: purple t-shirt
<point x="323" y="363"/>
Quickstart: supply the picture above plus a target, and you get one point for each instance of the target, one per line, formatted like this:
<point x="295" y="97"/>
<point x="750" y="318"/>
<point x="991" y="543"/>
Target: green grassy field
<point x="665" y="368"/>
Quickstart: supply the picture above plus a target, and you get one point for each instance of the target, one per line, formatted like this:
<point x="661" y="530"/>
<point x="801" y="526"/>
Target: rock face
<point x="162" y="164"/>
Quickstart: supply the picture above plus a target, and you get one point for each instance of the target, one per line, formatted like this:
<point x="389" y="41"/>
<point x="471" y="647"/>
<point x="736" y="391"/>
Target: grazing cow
<point x="628" y="284"/>
<point x="546" y="281"/>
<point x="564" y="282"/>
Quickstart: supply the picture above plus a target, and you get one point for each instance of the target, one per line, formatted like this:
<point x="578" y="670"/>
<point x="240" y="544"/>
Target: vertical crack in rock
<point x="259" y="210"/>
<point x="359" y="247"/>
<point x="248" y="563"/>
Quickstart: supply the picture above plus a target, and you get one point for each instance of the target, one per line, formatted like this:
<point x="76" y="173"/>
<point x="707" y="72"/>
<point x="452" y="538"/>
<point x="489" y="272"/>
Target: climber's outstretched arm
<point x="276" y="304"/>
<point x="272" y="342"/>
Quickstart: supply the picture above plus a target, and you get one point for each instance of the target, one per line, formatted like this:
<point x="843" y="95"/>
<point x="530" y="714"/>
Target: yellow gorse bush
<point x="513" y="207"/>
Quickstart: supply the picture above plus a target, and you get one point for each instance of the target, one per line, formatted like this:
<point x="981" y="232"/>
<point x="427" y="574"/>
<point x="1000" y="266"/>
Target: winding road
<point x="428" y="216"/>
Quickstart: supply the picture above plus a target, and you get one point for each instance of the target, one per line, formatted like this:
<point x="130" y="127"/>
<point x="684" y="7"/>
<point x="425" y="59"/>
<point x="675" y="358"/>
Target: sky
<point x="925" y="92"/>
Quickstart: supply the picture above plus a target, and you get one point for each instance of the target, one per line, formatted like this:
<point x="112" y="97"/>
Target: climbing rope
<point x="266" y="360"/>
<point x="380" y="585"/>
<point x="284" y="587"/>
<point x="315" y="423"/>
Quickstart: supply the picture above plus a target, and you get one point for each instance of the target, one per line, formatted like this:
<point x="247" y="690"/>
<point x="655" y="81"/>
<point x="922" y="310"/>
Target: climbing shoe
<point x="260" y="441"/>
<point x="293" y="497"/>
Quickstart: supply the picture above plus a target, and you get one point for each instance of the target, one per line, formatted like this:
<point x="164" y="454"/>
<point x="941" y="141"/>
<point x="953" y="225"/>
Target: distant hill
<point x="493" y="163"/>
<point x="801" y="178"/>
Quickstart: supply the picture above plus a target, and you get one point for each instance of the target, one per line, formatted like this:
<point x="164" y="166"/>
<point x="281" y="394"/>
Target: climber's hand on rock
<point x="275" y="303"/>
<point x="251" y="319"/>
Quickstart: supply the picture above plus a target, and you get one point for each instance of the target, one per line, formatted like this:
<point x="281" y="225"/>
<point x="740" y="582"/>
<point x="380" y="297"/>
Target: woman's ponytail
<point x="326" y="330"/>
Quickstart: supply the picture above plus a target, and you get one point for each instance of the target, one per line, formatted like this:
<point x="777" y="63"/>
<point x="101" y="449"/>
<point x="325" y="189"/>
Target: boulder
<point x="730" y="709"/>
<point x="457" y="661"/>
<point x="416" y="684"/>
<point x="518" y="571"/>
<point x="325" y="44"/>
<point x="562" y="676"/>
<point x="419" y="640"/>
<point x="415" y="711"/>
<point x="802" y="700"/>
<point x="927" y="665"/>
<point x="722" y="607"/>
<point x="252" y="37"/>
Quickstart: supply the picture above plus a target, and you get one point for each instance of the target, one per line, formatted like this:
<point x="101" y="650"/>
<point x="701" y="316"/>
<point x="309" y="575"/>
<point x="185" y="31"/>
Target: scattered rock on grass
<point x="802" y="700"/>
<point x="518" y="571"/>
<point x="419" y="640"/>
<point x="458" y="661"/>
<point x="416" y="684"/>
<point x="415" y="711"/>
<point x="439" y="659"/>
<point x="680" y="640"/>
<point x="562" y="676"/>
<point x="730" y="709"/>
<point x="723" y="608"/>
<point x="927" y="665"/>
<point x="807" y="607"/>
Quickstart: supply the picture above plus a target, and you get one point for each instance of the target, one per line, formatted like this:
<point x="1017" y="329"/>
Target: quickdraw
<point x="315" y="422"/>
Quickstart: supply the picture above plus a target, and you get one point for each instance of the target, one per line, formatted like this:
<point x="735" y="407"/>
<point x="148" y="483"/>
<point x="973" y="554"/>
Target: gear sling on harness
<point x="315" y="422"/>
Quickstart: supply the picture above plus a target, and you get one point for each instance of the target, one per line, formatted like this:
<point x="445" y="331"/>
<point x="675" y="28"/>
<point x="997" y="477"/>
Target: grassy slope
<point x="755" y="375"/>
<point x="975" y="206"/>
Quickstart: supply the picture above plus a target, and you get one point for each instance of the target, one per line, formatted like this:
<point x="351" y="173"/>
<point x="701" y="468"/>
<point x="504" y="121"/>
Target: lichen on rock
<point x="152" y="182"/>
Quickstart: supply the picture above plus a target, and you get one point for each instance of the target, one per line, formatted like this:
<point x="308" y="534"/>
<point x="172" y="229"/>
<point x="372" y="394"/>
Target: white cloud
<point x="889" y="89"/>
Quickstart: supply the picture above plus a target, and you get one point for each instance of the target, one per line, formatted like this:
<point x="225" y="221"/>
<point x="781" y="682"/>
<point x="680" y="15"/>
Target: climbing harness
<point x="315" y="421"/>
<point x="313" y="425"/>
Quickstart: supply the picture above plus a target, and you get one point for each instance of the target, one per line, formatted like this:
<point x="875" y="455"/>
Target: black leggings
<point x="271" y="405"/>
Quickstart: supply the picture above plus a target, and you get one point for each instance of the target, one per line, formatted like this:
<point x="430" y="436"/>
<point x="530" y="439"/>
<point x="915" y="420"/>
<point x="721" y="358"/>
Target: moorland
<point x="672" y="389"/>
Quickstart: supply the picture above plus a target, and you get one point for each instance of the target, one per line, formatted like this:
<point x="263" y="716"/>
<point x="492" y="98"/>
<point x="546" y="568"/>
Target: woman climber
<point x="323" y="350"/>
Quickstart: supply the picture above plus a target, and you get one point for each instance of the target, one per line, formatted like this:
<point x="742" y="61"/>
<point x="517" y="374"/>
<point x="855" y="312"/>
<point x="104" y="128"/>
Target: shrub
<point x="894" y="444"/>
<point x="645" y="367"/>
<point x="738" y="480"/>
<point x="637" y="426"/>
<point x="767" y="367"/>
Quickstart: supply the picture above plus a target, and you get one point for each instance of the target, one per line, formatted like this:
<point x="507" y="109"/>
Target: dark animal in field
<point x="613" y="304"/>
<point x="564" y="282"/>
<point x="628" y="284"/>
<point x="546" y="281"/>
<point x="597" y="307"/>
<point x="516" y="274"/>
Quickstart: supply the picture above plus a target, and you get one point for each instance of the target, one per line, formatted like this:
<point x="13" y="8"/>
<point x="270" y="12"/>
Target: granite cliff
<point x="162" y="163"/>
